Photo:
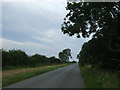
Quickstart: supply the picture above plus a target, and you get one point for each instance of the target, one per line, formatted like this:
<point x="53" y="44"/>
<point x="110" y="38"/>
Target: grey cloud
<point x="37" y="24"/>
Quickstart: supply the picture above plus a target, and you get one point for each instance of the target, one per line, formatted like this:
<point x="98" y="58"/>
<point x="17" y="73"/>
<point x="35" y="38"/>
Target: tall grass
<point x="15" y="75"/>
<point x="94" y="78"/>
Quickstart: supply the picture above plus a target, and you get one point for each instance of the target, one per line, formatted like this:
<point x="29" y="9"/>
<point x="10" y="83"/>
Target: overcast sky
<point x="35" y="27"/>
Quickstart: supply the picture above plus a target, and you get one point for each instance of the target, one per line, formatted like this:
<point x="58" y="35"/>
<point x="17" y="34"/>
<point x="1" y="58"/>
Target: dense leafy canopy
<point x="97" y="53"/>
<point x="101" y="20"/>
<point x="65" y="55"/>
<point x="20" y="58"/>
<point x="85" y="18"/>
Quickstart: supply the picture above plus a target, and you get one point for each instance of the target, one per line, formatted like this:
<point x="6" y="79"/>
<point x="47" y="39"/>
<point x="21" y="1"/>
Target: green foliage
<point x="97" y="53"/>
<point x="74" y="62"/>
<point x="102" y="21"/>
<point x="37" y="59"/>
<point x="14" y="57"/>
<point x="21" y="76"/>
<point x="99" y="78"/>
<point x="65" y="55"/>
<point x="85" y="18"/>
<point x="54" y="60"/>
<point x="17" y="58"/>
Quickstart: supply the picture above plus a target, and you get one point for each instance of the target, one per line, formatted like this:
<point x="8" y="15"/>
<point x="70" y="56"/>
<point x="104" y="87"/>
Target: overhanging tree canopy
<point x="102" y="20"/>
<point x="85" y="18"/>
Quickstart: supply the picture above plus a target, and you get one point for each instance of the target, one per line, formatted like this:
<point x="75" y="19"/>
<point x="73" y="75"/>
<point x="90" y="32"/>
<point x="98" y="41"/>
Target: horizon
<point x="35" y="27"/>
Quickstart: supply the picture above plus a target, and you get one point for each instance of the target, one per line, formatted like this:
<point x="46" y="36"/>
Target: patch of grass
<point x="12" y="76"/>
<point x="94" y="78"/>
<point x="8" y="67"/>
<point x="0" y="78"/>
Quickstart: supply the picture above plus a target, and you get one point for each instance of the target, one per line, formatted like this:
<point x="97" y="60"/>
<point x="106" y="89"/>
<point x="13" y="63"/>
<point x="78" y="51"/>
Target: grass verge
<point x="0" y="78"/>
<point x="12" y="76"/>
<point x="94" y="78"/>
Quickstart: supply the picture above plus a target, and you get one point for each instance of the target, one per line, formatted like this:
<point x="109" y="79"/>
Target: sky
<point x="35" y="27"/>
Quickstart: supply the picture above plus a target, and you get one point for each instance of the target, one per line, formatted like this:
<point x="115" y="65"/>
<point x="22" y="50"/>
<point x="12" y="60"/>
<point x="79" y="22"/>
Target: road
<point x="65" y="77"/>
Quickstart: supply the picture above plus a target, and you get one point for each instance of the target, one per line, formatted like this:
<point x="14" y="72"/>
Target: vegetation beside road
<point x="15" y="75"/>
<point x="96" y="78"/>
<point x="17" y="65"/>
<point x="17" y="58"/>
<point x="100" y="21"/>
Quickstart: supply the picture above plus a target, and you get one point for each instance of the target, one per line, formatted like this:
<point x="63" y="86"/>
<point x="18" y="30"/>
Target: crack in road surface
<point x="65" y="77"/>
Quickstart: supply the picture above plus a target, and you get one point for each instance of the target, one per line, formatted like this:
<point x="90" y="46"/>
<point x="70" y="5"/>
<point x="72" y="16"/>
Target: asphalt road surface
<point x="65" y="77"/>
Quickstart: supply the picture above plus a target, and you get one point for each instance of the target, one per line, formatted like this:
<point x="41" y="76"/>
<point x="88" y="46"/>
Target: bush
<point x="15" y="58"/>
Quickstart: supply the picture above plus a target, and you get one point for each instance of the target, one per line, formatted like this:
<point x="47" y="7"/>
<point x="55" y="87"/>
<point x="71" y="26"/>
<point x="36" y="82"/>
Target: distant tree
<point x="61" y="56"/>
<point x="74" y="62"/>
<point x="65" y="55"/>
<point x="34" y="60"/>
<point x="20" y="58"/>
<point x="67" y="52"/>
<point x="14" y="57"/>
<point x="53" y="60"/>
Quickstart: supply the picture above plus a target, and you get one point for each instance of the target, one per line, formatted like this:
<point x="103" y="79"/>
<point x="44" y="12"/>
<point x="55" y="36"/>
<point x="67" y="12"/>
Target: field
<point x="15" y="75"/>
<point x="94" y="78"/>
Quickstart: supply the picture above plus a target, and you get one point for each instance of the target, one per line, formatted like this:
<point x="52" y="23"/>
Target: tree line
<point x="97" y="53"/>
<point x="20" y="58"/>
<point x="101" y="21"/>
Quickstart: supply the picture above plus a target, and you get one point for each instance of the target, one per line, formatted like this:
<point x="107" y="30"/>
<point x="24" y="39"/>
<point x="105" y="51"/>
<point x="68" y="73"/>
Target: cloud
<point x="34" y="1"/>
<point x="0" y="43"/>
<point x="35" y="28"/>
<point x="30" y="19"/>
<point x="43" y="39"/>
<point x="27" y="46"/>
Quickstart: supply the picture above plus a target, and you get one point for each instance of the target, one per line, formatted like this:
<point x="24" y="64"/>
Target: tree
<point x="14" y="57"/>
<point x="65" y="55"/>
<point x="53" y="60"/>
<point x="97" y="54"/>
<point x="102" y="21"/>
<point x="74" y="62"/>
<point x="20" y="58"/>
<point x="85" y="18"/>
